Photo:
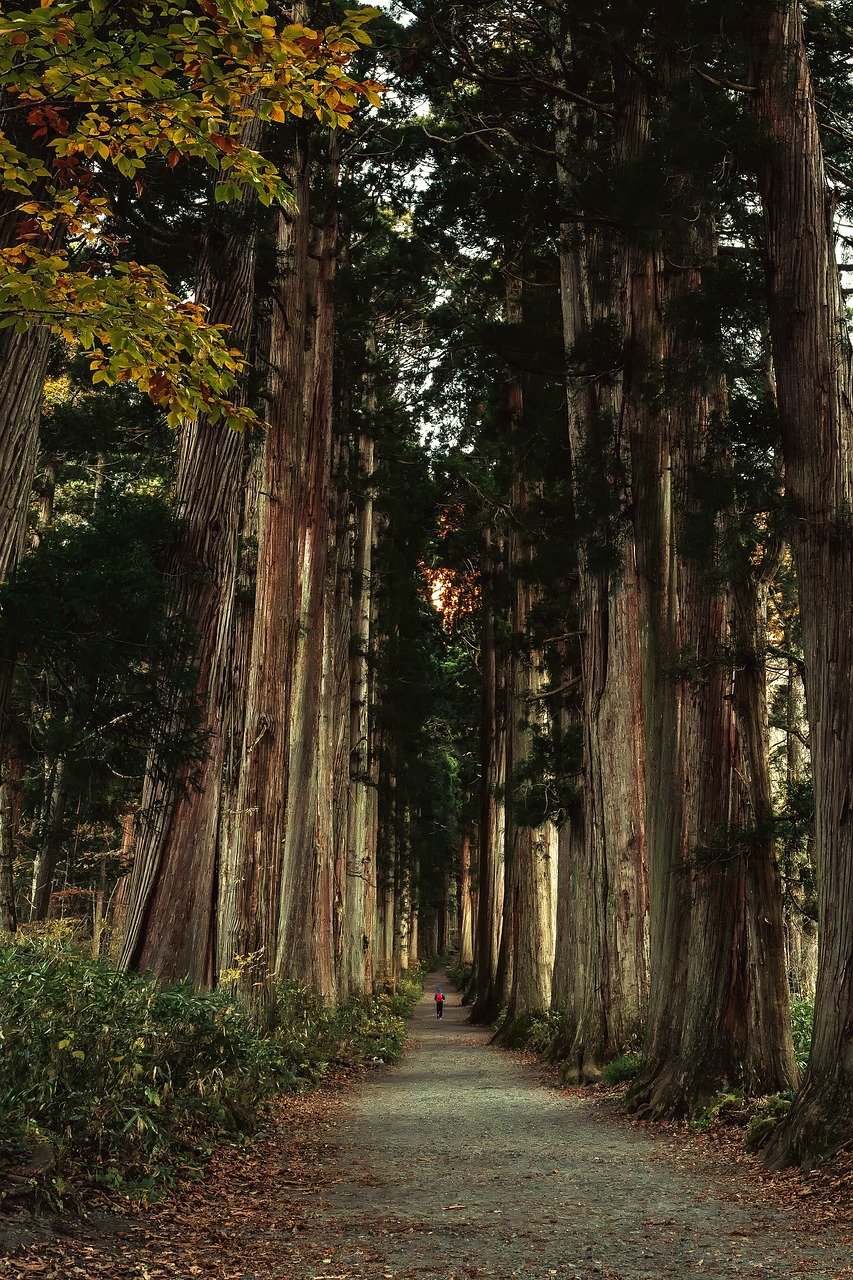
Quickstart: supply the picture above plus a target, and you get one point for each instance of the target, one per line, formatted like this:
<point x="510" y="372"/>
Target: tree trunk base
<point x="515" y="1032"/>
<point x="485" y="1009"/>
<point x="660" y="1094"/>
<point x="583" y="1070"/>
<point x="818" y="1127"/>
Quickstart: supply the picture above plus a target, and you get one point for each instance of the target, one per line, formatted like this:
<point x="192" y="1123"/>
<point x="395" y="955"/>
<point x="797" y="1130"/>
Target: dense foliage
<point x="105" y="1076"/>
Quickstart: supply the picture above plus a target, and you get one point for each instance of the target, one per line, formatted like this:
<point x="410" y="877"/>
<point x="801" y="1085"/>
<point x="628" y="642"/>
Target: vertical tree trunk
<point x="606" y="998"/>
<point x="570" y="855"/>
<point x="98" y="911"/>
<point x="771" y="1048"/>
<point x="710" y="934"/>
<point x="360" y="870"/>
<point x="531" y="880"/>
<point x="230" y="934"/>
<point x="466" y="904"/>
<point x="490" y="894"/>
<point x="302" y="908"/>
<point x="335" y="736"/>
<point x="814" y="376"/>
<point x="172" y="895"/>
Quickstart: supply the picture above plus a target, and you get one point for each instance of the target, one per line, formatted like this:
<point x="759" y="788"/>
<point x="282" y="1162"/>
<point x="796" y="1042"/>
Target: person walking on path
<point x="439" y="1002"/>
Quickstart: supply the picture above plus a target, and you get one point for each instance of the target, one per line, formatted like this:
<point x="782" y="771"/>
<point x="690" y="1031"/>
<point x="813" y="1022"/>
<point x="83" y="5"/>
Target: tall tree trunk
<point x="172" y="895"/>
<point x="360" y="869"/>
<point x="651" y="488"/>
<point x="531" y="857"/>
<point x="490" y="880"/>
<point x="334" y="737"/>
<point x="230" y="934"/>
<point x="772" y="1048"/>
<point x="713" y="933"/>
<point x="302" y="908"/>
<point x="814" y="375"/>
<point x="466" y="903"/>
<point x="606" y="998"/>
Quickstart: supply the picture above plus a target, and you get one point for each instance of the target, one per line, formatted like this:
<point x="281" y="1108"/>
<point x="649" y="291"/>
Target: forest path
<point x="456" y="1163"/>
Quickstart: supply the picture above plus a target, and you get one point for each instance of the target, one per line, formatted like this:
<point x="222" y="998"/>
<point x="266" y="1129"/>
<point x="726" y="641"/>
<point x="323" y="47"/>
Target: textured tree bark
<point x="570" y="847"/>
<point x="530" y="884"/>
<point x="717" y="940"/>
<point x="301" y="919"/>
<point x="360" y="856"/>
<point x="648" y="440"/>
<point x="263" y="772"/>
<point x="170" y="922"/>
<point x="490" y="882"/>
<point x="771" y="1048"/>
<point x="605" y="997"/>
<point x="814" y="376"/>
<point x="230" y="936"/>
<point x="335" y="736"/>
<point x="23" y="366"/>
<point x="466" y="904"/>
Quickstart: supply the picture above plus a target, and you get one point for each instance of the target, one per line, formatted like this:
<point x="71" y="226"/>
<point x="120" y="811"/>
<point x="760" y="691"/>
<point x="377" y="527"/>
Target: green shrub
<point x="764" y="1119"/>
<point x="131" y="1081"/>
<point x="627" y="1067"/>
<point x="544" y="1033"/>
<point x="802" y="1021"/>
<point x="724" y="1105"/>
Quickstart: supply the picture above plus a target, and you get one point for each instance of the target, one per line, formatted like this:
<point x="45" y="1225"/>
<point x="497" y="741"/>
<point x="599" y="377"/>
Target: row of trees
<point x="200" y="631"/>
<point x="643" y="202"/>
<point x="553" y="349"/>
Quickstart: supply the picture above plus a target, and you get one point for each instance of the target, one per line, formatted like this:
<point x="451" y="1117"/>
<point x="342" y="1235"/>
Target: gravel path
<point x="458" y="1163"/>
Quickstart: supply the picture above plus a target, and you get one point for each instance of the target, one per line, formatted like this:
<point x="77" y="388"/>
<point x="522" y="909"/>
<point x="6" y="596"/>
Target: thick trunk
<point x="714" y="1016"/>
<point x="307" y="863"/>
<point x="570" y="855"/>
<point x="230" y="936"/>
<point x="605" y="998"/>
<point x="23" y="365"/>
<point x="23" y="360"/>
<point x="651" y="484"/>
<point x="402" y="923"/>
<point x="812" y="360"/>
<point x="360" y="870"/>
<point x="98" y="911"/>
<point x="533" y="858"/>
<point x="490" y="881"/>
<point x="605" y="994"/>
<point x="334" y="744"/>
<point x="466" y="904"/>
<point x="172" y="896"/>
<point x="264" y="780"/>
<point x="771" y="1048"/>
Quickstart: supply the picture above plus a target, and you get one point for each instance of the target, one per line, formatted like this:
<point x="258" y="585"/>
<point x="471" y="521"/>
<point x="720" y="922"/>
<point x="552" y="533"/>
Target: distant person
<point x="439" y="1003"/>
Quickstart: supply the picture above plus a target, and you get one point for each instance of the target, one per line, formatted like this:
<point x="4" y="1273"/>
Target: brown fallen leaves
<point x="242" y="1222"/>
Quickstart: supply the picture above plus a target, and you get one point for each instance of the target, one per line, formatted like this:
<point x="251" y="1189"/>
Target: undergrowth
<point x="759" y="1116"/>
<point x="626" y="1067"/>
<point x="107" y="1077"/>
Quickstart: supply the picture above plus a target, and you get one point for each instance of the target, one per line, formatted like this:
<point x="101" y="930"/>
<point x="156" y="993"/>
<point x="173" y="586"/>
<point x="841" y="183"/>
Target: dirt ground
<point x="457" y="1163"/>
